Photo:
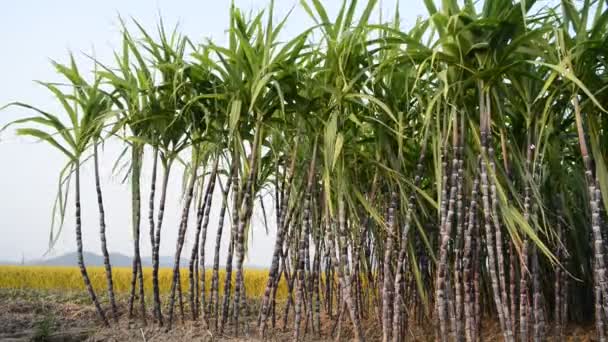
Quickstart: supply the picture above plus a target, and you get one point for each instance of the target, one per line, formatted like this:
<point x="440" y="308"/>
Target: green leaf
<point x="569" y="75"/>
<point x="235" y="113"/>
<point x="36" y="133"/>
<point x="337" y="149"/>
<point x="600" y="163"/>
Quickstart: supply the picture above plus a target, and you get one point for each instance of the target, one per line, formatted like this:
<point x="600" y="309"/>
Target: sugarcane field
<point x="310" y="170"/>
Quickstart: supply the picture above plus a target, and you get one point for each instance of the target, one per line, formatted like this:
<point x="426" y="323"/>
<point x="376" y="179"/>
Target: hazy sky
<point x="31" y="33"/>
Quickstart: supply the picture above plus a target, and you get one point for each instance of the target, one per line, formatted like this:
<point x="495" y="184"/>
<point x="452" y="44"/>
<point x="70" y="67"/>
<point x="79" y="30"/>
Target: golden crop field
<point x="69" y="278"/>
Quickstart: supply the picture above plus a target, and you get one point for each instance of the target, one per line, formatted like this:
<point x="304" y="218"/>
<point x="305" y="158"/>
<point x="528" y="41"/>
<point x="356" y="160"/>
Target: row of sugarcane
<point x="453" y="172"/>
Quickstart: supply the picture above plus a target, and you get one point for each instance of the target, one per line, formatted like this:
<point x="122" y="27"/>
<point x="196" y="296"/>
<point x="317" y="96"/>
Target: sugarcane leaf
<point x="337" y="149"/>
<point x="235" y="114"/>
<point x="36" y="133"/>
<point x="570" y="76"/>
<point x="600" y="164"/>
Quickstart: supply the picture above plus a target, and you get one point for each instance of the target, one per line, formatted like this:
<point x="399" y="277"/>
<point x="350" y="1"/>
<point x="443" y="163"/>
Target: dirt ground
<point x="27" y="315"/>
<point x="44" y="316"/>
<point x="55" y="316"/>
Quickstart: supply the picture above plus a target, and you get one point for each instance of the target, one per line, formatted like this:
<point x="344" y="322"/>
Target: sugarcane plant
<point x="452" y="173"/>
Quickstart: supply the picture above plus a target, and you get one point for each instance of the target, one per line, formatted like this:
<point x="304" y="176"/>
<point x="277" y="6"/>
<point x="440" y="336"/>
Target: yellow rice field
<point x="68" y="278"/>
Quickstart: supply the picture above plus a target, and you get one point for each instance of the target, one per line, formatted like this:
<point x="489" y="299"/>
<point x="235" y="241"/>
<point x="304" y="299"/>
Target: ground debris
<point x="34" y="315"/>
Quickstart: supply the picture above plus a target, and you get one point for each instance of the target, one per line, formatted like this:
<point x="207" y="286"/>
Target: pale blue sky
<point x="31" y="33"/>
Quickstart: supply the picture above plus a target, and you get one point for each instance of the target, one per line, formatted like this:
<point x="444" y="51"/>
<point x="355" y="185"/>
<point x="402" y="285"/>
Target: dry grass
<point x="69" y="278"/>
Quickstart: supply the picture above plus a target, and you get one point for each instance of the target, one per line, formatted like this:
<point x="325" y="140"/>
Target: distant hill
<point x="92" y="259"/>
<point x="10" y="263"/>
<point x="116" y="259"/>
